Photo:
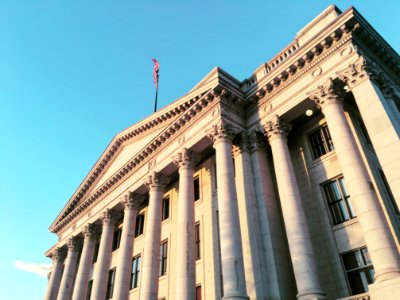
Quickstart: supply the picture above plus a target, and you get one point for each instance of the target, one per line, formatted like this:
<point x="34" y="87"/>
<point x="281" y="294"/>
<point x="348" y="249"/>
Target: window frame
<point x="163" y="258"/>
<point x="135" y="272"/>
<point x="110" y="283"/>
<point x="196" y="188"/>
<point x="139" y="225"/>
<point x="321" y="147"/>
<point x="197" y="240"/>
<point x="117" y="238"/>
<point x="166" y="210"/>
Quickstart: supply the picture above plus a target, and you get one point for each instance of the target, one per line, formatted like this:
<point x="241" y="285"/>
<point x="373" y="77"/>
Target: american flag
<point x="155" y="72"/>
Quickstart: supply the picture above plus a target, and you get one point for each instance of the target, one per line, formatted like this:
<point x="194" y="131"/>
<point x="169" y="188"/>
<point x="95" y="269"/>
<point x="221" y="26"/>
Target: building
<point x="284" y="185"/>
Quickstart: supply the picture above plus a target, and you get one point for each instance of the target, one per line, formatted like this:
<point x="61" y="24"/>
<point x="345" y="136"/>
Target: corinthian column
<point x="185" y="264"/>
<point x="131" y="204"/>
<point x="58" y="257"/>
<point x="100" y="274"/>
<point x="369" y="86"/>
<point x="67" y="281"/>
<point x="156" y="183"/>
<point x="234" y="282"/>
<point x="381" y="247"/>
<point x="301" y="251"/>
<point x="90" y="233"/>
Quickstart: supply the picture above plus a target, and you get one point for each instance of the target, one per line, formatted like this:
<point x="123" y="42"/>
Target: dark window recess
<point x="163" y="258"/>
<point x="365" y="133"/>
<point x="89" y="290"/>
<point x="135" y="272"/>
<point x="139" y="225"/>
<point x="389" y="192"/>
<point x="196" y="189"/>
<point x="321" y="141"/>
<point x="165" y="208"/>
<point x="96" y="252"/>
<point x="198" y="292"/>
<point x="359" y="270"/>
<point x="197" y="240"/>
<point x="110" y="284"/>
<point x="116" y="239"/>
<point x="338" y="201"/>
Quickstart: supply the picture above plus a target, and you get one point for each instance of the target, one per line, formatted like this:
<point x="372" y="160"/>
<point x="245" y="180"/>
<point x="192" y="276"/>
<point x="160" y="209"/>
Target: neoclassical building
<point x="284" y="185"/>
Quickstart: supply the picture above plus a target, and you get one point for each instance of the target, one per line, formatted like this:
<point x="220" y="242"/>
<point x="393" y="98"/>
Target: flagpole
<point x="155" y="103"/>
<point x="155" y="79"/>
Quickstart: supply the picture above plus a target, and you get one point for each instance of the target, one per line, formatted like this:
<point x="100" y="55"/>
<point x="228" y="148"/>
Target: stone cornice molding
<point x="276" y="128"/>
<point x="131" y="201"/>
<point x="58" y="254"/>
<point x="186" y="159"/>
<point x="222" y="131"/>
<point x="74" y="243"/>
<point x="328" y="92"/>
<point x="156" y="181"/>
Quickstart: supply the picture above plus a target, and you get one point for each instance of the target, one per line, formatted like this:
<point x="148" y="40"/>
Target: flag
<point x="155" y="72"/>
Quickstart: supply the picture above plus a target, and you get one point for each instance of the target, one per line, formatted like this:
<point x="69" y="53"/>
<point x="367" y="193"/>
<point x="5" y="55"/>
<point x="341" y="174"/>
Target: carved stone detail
<point x="59" y="254"/>
<point x="186" y="158"/>
<point x="256" y="140"/>
<point x="222" y="131"/>
<point x="74" y="243"/>
<point x="241" y="143"/>
<point x="91" y="231"/>
<point x="156" y="180"/>
<point x="327" y="92"/>
<point x="276" y="127"/>
<point x="131" y="200"/>
<point x="108" y="216"/>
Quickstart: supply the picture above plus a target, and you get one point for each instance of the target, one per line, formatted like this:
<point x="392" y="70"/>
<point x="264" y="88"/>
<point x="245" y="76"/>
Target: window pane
<point x="321" y="142"/>
<point x="196" y="183"/>
<point x="139" y="225"/>
<point x="165" y="208"/>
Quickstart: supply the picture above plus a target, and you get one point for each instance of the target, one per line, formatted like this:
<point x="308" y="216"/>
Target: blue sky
<point x="75" y="73"/>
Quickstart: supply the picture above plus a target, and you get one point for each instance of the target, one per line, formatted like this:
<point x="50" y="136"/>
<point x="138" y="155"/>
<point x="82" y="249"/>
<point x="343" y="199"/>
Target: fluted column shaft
<point x="151" y="255"/>
<point x="58" y="257"/>
<point x="381" y="247"/>
<point x="100" y="275"/>
<point x="124" y="264"/>
<point x="234" y="282"/>
<point x="185" y="263"/>
<point x="301" y="250"/>
<point x="82" y="277"/>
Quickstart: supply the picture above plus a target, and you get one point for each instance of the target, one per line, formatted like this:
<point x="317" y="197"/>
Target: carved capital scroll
<point x="276" y="128"/>
<point x="222" y="131"/>
<point x="186" y="158"/>
<point x="156" y="181"/>
<point x="326" y="93"/>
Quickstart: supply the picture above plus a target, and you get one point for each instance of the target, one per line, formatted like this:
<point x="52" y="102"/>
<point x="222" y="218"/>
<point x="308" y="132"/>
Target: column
<point x="253" y="258"/>
<point x="185" y="256"/>
<point x="156" y="183"/>
<point x="100" y="275"/>
<point x="58" y="257"/>
<point x="234" y="283"/>
<point x="67" y="281"/>
<point x="90" y="233"/>
<point x="301" y="250"/>
<point x="366" y="79"/>
<point x="131" y="203"/>
<point x="377" y="236"/>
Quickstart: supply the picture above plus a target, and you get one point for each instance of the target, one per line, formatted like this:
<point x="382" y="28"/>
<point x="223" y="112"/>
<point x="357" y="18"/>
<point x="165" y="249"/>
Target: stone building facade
<point x="284" y="185"/>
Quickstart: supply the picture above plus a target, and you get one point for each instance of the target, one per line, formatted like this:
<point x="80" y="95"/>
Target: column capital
<point x="131" y="200"/>
<point x="108" y="216"/>
<point x="256" y="140"/>
<point x="328" y="92"/>
<point x="186" y="158"/>
<point x="74" y="243"/>
<point x="222" y="131"/>
<point x="91" y="231"/>
<point x="156" y="181"/>
<point x="241" y="143"/>
<point x="276" y="128"/>
<point x="59" y="254"/>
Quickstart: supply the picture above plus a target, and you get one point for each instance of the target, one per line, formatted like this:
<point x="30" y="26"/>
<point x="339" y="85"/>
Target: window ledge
<point x="345" y="224"/>
<point x="317" y="161"/>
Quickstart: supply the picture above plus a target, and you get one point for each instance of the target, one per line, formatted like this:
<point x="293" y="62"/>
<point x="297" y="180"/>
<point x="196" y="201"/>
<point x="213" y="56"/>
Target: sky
<point x="75" y="73"/>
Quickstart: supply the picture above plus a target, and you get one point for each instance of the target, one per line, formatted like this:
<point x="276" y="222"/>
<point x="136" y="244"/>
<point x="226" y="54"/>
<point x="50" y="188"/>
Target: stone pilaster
<point x="185" y="263"/>
<point x="91" y="234"/>
<point x="100" y="275"/>
<point x="131" y="203"/>
<point x="300" y="246"/>
<point x="67" y="282"/>
<point x="381" y="246"/>
<point x="234" y="282"/>
<point x="58" y="257"/>
<point x="156" y="183"/>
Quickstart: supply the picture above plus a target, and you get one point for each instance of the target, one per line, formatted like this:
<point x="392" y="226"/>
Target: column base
<point x="385" y="290"/>
<point x="235" y="296"/>
<point x="312" y="295"/>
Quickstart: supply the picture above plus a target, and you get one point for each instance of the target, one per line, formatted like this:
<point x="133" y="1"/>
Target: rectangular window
<point x="338" y="201"/>
<point x="116" y="239"/>
<point x="110" y="284"/>
<point x="165" y="208"/>
<point x="89" y="290"/>
<point x="359" y="270"/>
<point x="198" y="292"/>
<point x="197" y="240"/>
<point x="139" y="225"/>
<point x="96" y="252"/>
<point x="135" y="272"/>
<point x="196" y="182"/>
<point x="321" y="142"/>
<point x="163" y="258"/>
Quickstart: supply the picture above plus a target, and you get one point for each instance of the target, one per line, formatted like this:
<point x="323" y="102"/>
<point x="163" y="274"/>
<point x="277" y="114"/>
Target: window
<point x="89" y="290"/>
<point x="338" y="201"/>
<point x="165" y="208"/>
<point x="359" y="270"/>
<point x="321" y="142"/>
<point x="139" y="225"/>
<point x="110" y="283"/>
<point x="116" y="239"/>
<point x="196" y="189"/>
<point x="197" y="240"/>
<point x="198" y="292"/>
<point x="135" y="272"/>
<point x="365" y="133"/>
<point x="96" y="252"/>
<point x="389" y="192"/>
<point x="163" y="258"/>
